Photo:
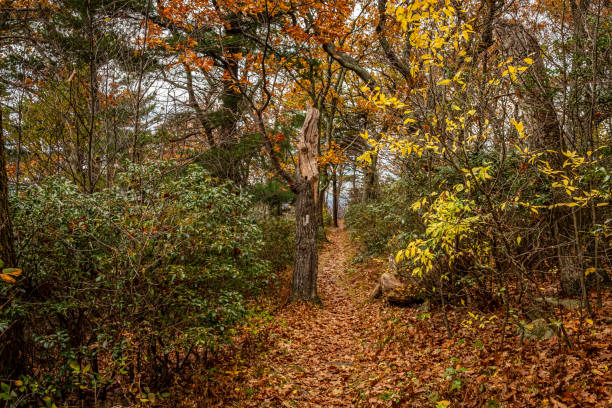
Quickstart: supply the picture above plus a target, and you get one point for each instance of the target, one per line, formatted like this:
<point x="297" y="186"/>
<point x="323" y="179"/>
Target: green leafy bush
<point x="381" y="224"/>
<point x="278" y="241"/>
<point x="133" y="280"/>
<point x="327" y="217"/>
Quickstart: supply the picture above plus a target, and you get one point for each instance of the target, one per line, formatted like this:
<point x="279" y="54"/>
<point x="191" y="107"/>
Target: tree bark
<point x="396" y="62"/>
<point x="306" y="256"/>
<point x="11" y="348"/>
<point x="320" y="210"/>
<point x="348" y="62"/>
<point x="7" y="248"/>
<point x="544" y="125"/>
<point x="335" y="193"/>
<point x="370" y="181"/>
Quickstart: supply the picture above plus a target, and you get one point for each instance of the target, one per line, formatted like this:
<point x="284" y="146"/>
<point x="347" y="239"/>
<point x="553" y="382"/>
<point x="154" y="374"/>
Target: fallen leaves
<point x="351" y="352"/>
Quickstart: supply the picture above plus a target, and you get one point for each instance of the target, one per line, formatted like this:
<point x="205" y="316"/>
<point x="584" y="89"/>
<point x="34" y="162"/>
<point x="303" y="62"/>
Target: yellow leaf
<point x="528" y="61"/>
<point x="12" y="271"/>
<point x="444" y="82"/>
<point x="518" y="240"/>
<point x="7" y="278"/>
<point x="365" y="158"/>
<point x="519" y="126"/>
<point x="589" y="321"/>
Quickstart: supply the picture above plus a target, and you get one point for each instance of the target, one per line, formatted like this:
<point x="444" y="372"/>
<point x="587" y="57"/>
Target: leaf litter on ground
<point x="350" y="352"/>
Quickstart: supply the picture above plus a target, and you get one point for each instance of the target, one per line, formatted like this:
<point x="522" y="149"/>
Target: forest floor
<point x="354" y="352"/>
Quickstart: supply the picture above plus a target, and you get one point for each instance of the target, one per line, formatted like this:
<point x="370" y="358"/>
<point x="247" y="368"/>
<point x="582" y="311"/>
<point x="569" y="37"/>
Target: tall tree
<point x="306" y="218"/>
<point x="7" y="247"/>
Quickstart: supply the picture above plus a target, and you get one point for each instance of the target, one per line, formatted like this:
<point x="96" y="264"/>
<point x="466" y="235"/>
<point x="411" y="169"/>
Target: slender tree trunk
<point x="306" y="256"/>
<point x="135" y="142"/>
<point x="370" y="181"/>
<point x="19" y="141"/>
<point x="320" y="209"/>
<point x="11" y="348"/>
<point x="354" y="180"/>
<point x="335" y="194"/>
<point x="93" y="89"/>
<point x="7" y="249"/>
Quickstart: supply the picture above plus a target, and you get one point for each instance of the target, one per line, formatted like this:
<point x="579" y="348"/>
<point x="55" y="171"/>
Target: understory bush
<point x="327" y="217"/>
<point x="384" y="224"/>
<point x="127" y="284"/>
<point x="467" y="238"/>
<point x="278" y="241"/>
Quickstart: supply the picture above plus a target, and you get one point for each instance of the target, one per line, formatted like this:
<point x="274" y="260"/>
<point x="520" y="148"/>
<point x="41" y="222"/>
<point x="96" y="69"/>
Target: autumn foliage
<point x="165" y="163"/>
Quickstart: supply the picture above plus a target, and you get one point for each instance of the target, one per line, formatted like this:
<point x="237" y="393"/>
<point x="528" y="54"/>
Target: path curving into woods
<point x="352" y="352"/>
<point x="325" y="356"/>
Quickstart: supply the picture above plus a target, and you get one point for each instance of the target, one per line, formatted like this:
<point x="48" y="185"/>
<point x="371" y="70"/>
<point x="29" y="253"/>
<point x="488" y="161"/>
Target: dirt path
<point x="322" y="353"/>
<point x="354" y="353"/>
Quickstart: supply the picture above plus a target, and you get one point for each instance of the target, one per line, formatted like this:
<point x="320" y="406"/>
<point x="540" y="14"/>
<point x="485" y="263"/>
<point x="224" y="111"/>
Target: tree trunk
<point x="11" y="349"/>
<point x="370" y="181"/>
<point x="306" y="257"/>
<point x="544" y="125"/>
<point x="7" y="249"/>
<point x="335" y="194"/>
<point x="320" y="210"/>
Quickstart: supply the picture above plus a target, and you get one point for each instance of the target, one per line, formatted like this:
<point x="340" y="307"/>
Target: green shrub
<point x="278" y="241"/>
<point x="387" y="223"/>
<point x="133" y="279"/>
<point x="327" y="217"/>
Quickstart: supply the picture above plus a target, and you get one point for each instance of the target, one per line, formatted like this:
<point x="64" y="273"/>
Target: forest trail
<point x="325" y="356"/>
<point x="351" y="352"/>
